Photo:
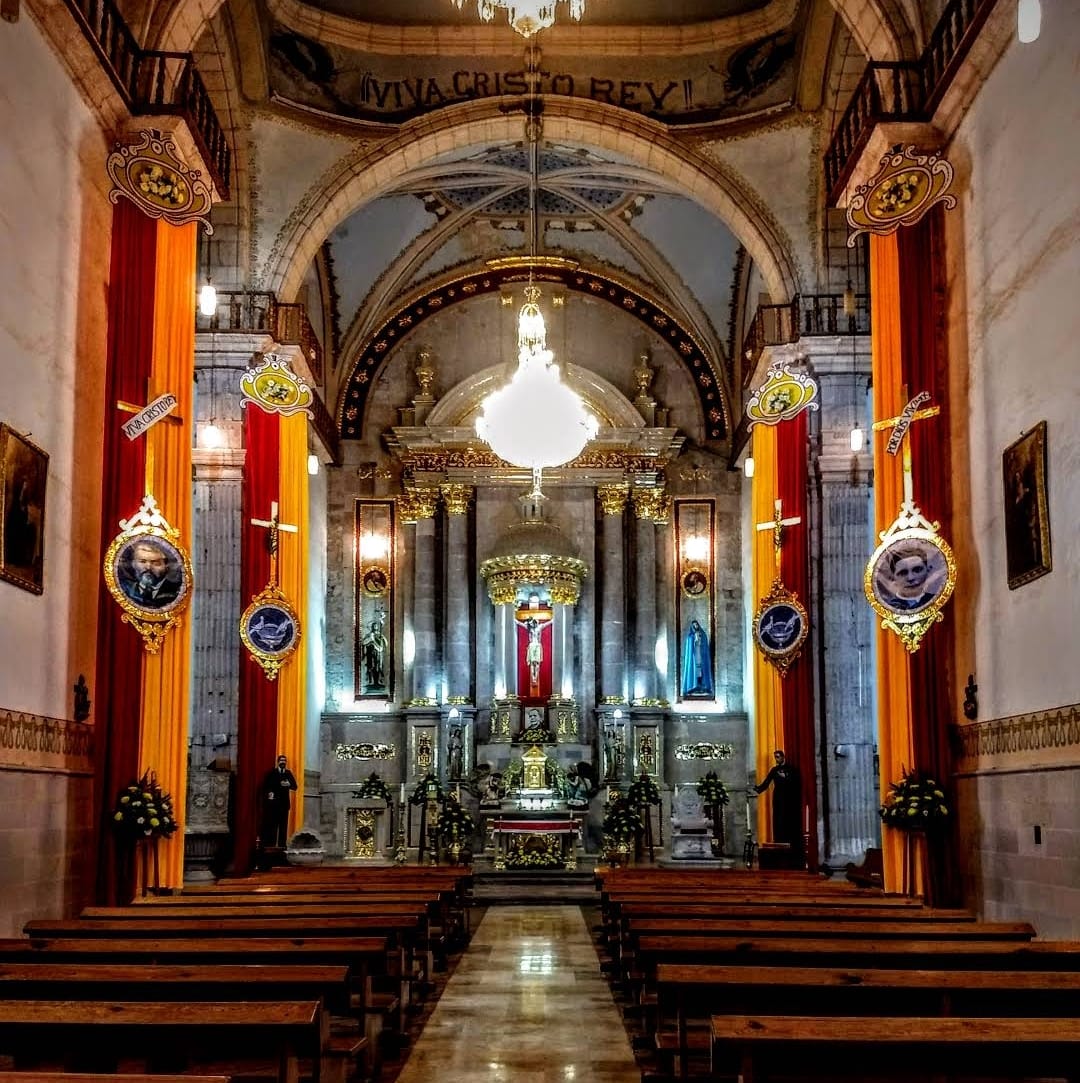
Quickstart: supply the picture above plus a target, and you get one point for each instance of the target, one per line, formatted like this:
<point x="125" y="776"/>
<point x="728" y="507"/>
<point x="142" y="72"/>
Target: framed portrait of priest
<point x="911" y="574"/>
<point x="24" y="469"/>
<point x="1027" y="518"/>
<point x="148" y="574"/>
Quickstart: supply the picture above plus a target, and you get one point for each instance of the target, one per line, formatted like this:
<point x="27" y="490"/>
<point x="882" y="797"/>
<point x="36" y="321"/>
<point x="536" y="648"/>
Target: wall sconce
<point x="696" y="548"/>
<point x="1028" y="20"/>
<point x="313" y="465"/>
<point x="748" y="466"/>
<point x="211" y="437"/>
<point x="374" y="546"/>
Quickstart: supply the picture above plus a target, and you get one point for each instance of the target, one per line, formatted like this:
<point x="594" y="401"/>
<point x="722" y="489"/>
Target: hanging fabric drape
<point x="118" y="692"/>
<point x="292" y="577"/>
<point x="797" y="687"/>
<point x="257" y="710"/>
<point x="167" y="674"/>
<point x="768" y="696"/>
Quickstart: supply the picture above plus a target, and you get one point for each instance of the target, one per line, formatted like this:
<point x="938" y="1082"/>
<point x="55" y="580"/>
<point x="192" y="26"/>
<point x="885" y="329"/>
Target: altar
<point x="540" y="840"/>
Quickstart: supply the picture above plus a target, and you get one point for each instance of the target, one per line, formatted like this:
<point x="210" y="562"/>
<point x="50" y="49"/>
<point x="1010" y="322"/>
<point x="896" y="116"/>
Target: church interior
<point x="541" y="440"/>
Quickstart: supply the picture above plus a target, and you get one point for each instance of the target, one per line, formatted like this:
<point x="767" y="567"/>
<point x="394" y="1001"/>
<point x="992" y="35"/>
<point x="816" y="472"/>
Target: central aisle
<point x="526" y="1002"/>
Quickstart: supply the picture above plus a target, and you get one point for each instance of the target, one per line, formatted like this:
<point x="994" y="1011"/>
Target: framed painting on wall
<point x="24" y="469"/>
<point x="1027" y="518"/>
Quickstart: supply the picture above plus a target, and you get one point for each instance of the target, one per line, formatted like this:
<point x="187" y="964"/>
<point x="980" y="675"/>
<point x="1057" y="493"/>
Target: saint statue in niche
<point x="697" y="671"/>
<point x="534" y="654"/>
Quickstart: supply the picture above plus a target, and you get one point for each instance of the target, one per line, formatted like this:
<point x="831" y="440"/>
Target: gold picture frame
<point x="1026" y="508"/>
<point x="24" y="471"/>
<point x="781" y="627"/>
<point x="270" y="630"/>
<point x="148" y="573"/>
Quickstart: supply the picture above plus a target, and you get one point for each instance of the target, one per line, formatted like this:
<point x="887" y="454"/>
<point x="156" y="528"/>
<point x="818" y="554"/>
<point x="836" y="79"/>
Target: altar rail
<point x="152" y="82"/>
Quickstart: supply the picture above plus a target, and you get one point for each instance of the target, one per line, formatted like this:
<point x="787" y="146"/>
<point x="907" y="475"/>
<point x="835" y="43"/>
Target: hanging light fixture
<point x="748" y="466"/>
<point x="857" y="437"/>
<point x="536" y="390"/>
<point x="527" y="17"/>
<point x="1028" y="20"/>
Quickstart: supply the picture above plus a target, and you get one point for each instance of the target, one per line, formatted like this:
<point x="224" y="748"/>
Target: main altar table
<point x="504" y="827"/>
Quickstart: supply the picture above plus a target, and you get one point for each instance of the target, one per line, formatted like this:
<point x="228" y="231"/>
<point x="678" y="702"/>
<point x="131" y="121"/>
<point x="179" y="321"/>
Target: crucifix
<point x="274" y="527"/>
<point x="901" y="426"/>
<point x="144" y="418"/>
<point x="776" y="524"/>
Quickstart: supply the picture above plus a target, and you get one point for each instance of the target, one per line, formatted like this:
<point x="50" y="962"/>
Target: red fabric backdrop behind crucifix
<point x="534" y="655"/>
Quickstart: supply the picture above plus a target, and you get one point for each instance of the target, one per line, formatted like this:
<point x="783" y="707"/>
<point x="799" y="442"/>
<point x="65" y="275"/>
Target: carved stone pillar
<point x="459" y="624"/>
<point x="418" y="508"/>
<point x="648" y="507"/>
<point x="613" y="595"/>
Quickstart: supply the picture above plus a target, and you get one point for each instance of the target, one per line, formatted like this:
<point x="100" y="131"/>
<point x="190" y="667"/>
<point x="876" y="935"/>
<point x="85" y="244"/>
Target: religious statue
<point x="455" y="753"/>
<point x="783" y="777"/>
<point x="491" y="790"/>
<point x="612" y="753"/>
<point x="697" y="670"/>
<point x="579" y="786"/>
<point x="534" y="654"/>
<point x="373" y="652"/>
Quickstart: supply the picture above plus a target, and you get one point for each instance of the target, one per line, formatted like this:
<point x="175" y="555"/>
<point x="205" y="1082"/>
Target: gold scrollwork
<point x="651" y="504"/>
<point x="704" y="750"/>
<point x="784" y="395"/>
<point x="456" y="498"/>
<point x="417" y="503"/>
<point x="148" y="573"/>
<point x="270" y="630"/>
<point x="365" y="751"/>
<point x="904" y="188"/>
<point x="276" y="389"/>
<point x="781" y="627"/>
<point x="153" y="176"/>
<point x="613" y="498"/>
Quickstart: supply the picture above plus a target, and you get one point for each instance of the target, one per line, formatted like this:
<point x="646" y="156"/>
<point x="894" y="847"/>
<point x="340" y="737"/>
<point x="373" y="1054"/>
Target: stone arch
<point x="880" y="28"/>
<point x="374" y="168"/>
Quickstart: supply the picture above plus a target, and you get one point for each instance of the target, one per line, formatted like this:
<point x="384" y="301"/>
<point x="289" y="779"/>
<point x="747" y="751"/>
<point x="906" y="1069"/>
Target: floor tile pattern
<point x="526" y="1003"/>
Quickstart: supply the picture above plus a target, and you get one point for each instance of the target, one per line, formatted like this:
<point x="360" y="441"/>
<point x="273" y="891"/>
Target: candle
<point x="403" y="793"/>
<point x="806" y="820"/>
<point x="748" y="817"/>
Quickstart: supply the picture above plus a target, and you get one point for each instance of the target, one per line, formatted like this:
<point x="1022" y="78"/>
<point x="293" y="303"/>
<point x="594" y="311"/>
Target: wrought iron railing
<point x="907" y="90"/>
<point x="154" y="83"/>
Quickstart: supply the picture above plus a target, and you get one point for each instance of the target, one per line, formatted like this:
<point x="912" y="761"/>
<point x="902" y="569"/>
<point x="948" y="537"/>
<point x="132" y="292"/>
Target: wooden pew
<point x="810" y="1047"/>
<point x="177" y="1034"/>
<point x="85" y="1077"/>
<point x="688" y="993"/>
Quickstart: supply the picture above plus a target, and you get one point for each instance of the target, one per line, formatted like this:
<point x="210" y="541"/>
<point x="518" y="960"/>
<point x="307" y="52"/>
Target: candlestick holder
<point x="401" y="848"/>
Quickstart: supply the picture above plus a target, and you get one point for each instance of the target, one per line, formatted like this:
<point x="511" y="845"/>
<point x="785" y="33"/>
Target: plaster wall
<point x="1014" y="315"/>
<point x="55" y="223"/>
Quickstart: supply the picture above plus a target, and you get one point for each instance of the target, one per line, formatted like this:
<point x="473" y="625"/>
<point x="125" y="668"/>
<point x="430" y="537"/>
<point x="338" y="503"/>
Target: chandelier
<point x="527" y="17"/>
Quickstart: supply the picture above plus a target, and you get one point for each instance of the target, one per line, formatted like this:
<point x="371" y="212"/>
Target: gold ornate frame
<point x="778" y="596"/>
<point x="270" y="660"/>
<point x="1026" y="508"/>
<point x="910" y="624"/>
<point x="31" y="474"/>
<point x="151" y="623"/>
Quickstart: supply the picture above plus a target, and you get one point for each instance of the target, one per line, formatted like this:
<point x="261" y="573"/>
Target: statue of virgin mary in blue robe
<point x="697" y="671"/>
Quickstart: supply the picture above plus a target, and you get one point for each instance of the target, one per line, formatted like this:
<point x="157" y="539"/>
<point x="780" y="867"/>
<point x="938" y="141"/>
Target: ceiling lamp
<point x="535" y="420"/>
<point x="527" y="17"/>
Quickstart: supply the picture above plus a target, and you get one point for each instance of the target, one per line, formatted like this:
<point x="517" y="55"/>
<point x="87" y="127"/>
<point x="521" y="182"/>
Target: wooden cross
<point x="131" y="408"/>
<point x="901" y="426"/>
<point x="274" y="526"/>
<point x="776" y="524"/>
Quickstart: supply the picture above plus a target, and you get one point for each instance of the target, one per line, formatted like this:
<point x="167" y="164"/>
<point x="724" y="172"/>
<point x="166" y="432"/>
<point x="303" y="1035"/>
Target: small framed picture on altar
<point x="24" y="468"/>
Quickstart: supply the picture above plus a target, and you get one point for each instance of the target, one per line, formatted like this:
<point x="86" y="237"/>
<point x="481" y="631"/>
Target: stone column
<point x="841" y="522"/>
<point x="665" y="601"/>
<point x="421" y="513"/>
<point x="613" y="595"/>
<point x="647" y="507"/>
<point x="459" y="623"/>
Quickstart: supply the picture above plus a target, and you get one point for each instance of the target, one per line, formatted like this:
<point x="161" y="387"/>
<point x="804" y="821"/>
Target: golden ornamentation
<point x="613" y="701"/>
<point x="566" y="722"/>
<point x="643" y="378"/>
<point x="912" y="540"/>
<point x="784" y="395"/>
<point x="613" y="498"/>
<point x="422" y="701"/>
<point x="270" y="629"/>
<point x="651" y="701"/>
<point x="1055" y="733"/>
<point x="456" y="498"/>
<point x="904" y="188"/>
<point x="425" y="374"/>
<point x="781" y="626"/>
<point x="424" y="753"/>
<point x="153" y="176"/>
<point x="704" y="750"/>
<point x="457" y="701"/>
<point x="276" y="389"/>
<point x="365" y="750"/>
<point x="561" y="575"/>
<point x="417" y="503"/>
<point x="149" y="531"/>
<point x="534" y="770"/>
<point x="650" y="504"/>
<point x="646" y="751"/>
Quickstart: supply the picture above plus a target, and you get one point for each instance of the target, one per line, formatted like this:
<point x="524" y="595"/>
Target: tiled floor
<point x="526" y="1004"/>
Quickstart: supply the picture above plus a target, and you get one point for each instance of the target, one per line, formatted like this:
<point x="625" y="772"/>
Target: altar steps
<point x="538" y="887"/>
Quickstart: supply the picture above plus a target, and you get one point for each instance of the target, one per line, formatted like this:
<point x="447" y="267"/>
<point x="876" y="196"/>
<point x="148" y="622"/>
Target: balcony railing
<point x="807" y="315"/>
<point x="907" y="90"/>
<point x="154" y="83"/>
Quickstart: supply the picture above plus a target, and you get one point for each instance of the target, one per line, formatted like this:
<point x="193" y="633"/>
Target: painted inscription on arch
<point x="747" y="79"/>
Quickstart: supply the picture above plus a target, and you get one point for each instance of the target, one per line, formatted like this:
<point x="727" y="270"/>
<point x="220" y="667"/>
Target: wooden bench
<point x="826" y="1047"/>
<point x="695" y="992"/>
<point x="169" y="1035"/>
<point x="85" y="1077"/>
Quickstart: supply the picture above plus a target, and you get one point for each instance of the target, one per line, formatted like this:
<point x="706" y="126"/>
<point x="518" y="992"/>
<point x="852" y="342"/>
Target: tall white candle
<point x="403" y="793"/>
<point x="806" y="820"/>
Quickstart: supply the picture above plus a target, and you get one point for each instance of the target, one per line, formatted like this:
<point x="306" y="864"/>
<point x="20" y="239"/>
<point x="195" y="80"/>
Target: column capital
<point x="613" y="498"/>
<point x="417" y="503"/>
<point x="456" y="498"/>
<point x="651" y="504"/>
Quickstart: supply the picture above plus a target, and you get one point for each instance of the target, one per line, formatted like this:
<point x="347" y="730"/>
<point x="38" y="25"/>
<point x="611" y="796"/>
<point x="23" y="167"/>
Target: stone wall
<point x="1014" y="315"/>
<point x="55" y="230"/>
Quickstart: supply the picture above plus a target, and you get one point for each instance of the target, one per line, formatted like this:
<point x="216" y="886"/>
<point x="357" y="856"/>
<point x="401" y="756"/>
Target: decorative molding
<point x="783" y="396"/>
<point x="33" y="742"/>
<point x="903" y="189"/>
<point x="456" y="498"/>
<point x="704" y="750"/>
<point x="1049" y="738"/>
<point x="365" y="751"/>
<point x="613" y="498"/>
<point x="561" y="575"/>
<point x="153" y="176"/>
<point x="417" y="503"/>
<point x="651" y="504"/>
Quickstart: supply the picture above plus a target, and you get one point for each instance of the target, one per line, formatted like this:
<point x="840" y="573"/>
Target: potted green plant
<point x="142" y="815"/>
<point x="455" y="828"/>
<point x="622" y="825"/>
<point x="714" y="796"/>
